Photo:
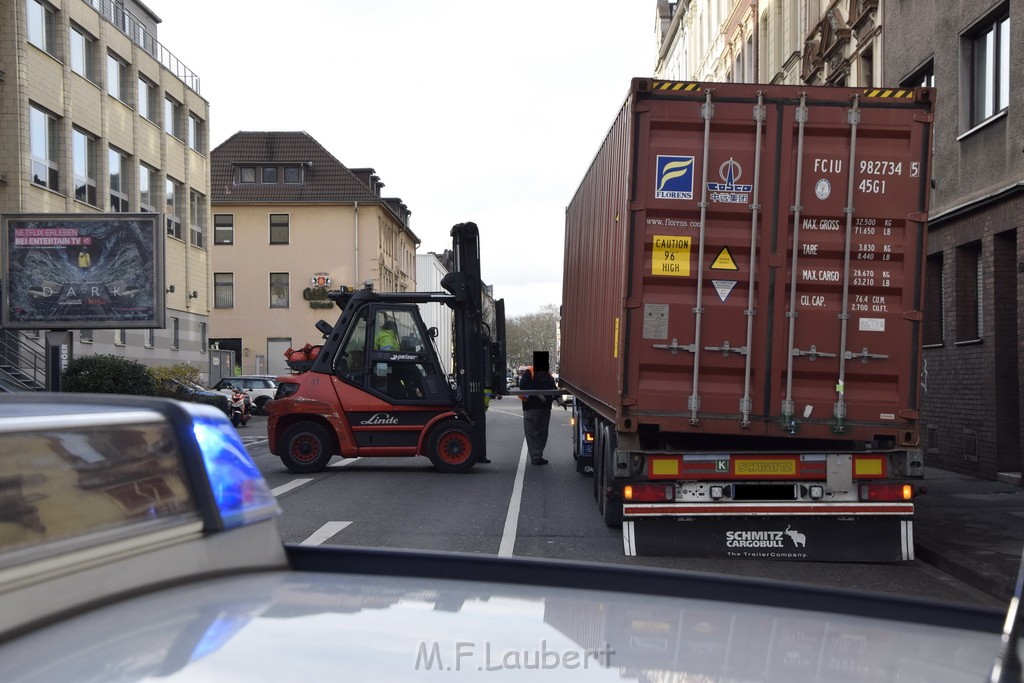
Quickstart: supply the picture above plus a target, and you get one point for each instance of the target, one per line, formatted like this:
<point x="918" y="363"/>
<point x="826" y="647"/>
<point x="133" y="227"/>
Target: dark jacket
<point x="540" y="380"/>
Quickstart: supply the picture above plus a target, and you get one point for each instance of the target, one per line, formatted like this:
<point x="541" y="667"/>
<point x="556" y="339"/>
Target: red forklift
<point x="375" y="386"/>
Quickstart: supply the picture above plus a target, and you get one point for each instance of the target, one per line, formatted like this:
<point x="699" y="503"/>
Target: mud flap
<point x="817" y="539"/>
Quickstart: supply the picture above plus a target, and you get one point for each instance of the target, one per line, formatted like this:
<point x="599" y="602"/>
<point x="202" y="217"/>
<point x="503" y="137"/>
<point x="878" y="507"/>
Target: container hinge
<point x="915" y="316"/>
<point x="641" y="108"/>
<point x="910" y="414"/>
<point x="675" y="347"/>
<point x="864" y="355"/>
<point x="918" y="217"/>
<point x="627" y="401"/>
<point x="923" y="117"/>
<point x="813" y="354"/>
<point x="631" y="303"/>
<point x="637" y="206"/>
<point x="726" y="349"/>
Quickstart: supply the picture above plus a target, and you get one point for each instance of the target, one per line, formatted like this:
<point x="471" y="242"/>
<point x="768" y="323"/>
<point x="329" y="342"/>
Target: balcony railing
<point x="117" y="14"/>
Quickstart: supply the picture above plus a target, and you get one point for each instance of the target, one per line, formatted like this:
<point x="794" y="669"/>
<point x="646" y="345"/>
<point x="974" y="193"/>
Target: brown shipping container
<point x="747" y="275"/>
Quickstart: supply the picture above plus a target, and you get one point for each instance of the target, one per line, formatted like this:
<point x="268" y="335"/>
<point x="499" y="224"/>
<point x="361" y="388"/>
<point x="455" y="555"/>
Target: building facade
<point x="430" y="270"/>
<point x="97" y="116"/>
<point x="971" y="52"/>
<point x="290" y="223"/>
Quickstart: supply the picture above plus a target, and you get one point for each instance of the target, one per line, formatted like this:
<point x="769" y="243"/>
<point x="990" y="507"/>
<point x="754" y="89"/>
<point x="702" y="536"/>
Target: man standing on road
<point x="537" y="409"/>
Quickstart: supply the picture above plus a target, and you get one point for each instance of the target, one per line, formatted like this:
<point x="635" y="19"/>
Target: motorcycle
<point x="241" y="408"/>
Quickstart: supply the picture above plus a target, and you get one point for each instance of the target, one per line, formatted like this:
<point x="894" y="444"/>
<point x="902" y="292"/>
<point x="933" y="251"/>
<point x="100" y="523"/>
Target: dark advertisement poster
<point x="73" y="271"/>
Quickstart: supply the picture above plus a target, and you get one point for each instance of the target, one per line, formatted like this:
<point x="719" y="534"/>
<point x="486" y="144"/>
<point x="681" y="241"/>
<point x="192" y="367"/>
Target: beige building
<point x="291" y="222"/>
<point x="815" y="42"/>
<point x="97" y="116"/>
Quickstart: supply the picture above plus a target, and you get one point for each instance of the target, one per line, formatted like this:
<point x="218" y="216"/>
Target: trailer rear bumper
<point x="812" y="536"/>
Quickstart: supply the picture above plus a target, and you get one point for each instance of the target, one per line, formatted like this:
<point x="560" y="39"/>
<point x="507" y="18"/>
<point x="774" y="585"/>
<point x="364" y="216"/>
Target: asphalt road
<point x="512" y="507"/>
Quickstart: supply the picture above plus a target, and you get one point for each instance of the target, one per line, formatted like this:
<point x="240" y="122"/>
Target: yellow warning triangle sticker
<point x="724" y="261"/>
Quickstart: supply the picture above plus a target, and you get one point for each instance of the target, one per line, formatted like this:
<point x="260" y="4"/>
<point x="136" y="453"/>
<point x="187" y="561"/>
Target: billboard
<point x="74" y="271"/>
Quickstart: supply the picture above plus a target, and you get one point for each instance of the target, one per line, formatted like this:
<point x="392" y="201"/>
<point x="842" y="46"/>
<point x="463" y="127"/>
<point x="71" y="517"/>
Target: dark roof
<point x="325" y="179"/>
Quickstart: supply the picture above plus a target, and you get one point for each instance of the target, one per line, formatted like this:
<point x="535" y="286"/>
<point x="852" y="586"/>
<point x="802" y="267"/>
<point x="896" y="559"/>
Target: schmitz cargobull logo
<point x="380" y="419"/>
<point x="765" y="539"/>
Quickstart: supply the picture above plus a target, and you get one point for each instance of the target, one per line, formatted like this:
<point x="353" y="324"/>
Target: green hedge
<point x="107" y="374"/>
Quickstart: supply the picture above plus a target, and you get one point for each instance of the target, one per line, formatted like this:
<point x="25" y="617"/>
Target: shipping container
<point x="742" y="299"/>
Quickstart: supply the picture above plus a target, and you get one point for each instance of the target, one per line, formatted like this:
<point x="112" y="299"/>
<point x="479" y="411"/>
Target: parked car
<point x="261" y="388"/>
<point x="194" y="393"/>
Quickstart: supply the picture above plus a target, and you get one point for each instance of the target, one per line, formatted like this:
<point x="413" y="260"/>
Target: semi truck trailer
<point x="741" y="319"/>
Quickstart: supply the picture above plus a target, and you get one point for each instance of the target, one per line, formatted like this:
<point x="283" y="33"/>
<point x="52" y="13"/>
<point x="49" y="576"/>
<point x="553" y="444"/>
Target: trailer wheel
<point x="306" y="448"/>
<point x="454" y="447"/>
<point x="611" y="510"/>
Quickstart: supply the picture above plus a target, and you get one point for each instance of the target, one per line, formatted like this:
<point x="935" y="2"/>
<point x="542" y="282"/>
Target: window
<point x="175" y="334"/>
<point x="196" y="206"/>
<point x="118" y="162"/>
<point x="42" y="26"/>
<point x="292" y="174"/>
<point x="279" y="290"/>
<point x="119" y="337"/>
<point x="43" y="148"/>
<point x="203" y="341"/>
<point x="923" y="77"/>
<point x="989" y="64"/>
<point x="83" y="53"/>
<point x="195" y="132"/>
<point x="279" y="228"/>
<point x="170" y="212"/>
<point x="270" y="175"/>
<point x="933" y="306"/>
<point x="171" y="110"/>
<point x="147" y="198"/>
<point x="223" y="290"/>
<point x="85" y="336"/>
<point x="117" y="77"/>
<point x="147" y="99"/>
<point x="969" y="321"/>
<point x="83" y="153"/>
<point x="247" y="174"/>
<point x="223" y="228"/>
<point x="150" y="338"/>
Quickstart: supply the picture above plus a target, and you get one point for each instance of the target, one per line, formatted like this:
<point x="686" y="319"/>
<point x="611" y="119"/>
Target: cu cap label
<point x="674" y="177"/>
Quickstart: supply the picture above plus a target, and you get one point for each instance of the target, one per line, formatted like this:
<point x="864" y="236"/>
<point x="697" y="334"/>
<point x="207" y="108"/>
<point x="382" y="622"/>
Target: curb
<point x="964" y="572"/>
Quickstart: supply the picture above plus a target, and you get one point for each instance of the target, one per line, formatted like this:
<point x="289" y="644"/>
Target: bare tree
<point x="525" y="334"/>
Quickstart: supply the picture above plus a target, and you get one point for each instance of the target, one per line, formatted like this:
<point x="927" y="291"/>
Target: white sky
<point x="469" y="110"/>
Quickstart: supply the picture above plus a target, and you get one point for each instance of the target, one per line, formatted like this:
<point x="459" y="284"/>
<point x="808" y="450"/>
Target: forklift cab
<point x="388" y="352"/>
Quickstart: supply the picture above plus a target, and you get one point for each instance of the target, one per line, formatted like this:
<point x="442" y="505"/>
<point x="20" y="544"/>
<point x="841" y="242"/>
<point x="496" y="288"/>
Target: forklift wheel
<point x="307" y="448"/>
<point x="454" y="447"/>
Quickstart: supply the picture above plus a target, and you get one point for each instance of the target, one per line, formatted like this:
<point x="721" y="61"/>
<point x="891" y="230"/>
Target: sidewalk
<point x="972" y="529"/>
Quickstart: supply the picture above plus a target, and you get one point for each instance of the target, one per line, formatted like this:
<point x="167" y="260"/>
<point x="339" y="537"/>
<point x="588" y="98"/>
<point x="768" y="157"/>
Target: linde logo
<point x="764" y="539"/>
<point x="380" y="419"/>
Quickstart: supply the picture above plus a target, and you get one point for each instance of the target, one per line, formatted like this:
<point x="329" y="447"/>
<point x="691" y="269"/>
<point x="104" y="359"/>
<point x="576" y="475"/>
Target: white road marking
<point x="325" y="532"/>
<point x="293" y="484"/>
<point x="492" y="409"/>
<point x="508" y="536"/>
<point x="344" y="462"/>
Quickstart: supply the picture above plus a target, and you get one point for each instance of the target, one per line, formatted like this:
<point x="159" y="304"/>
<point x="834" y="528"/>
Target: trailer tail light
<point x="648" y="493"/>
<point x="588" y="437"/>
<point x="886" y="492"/>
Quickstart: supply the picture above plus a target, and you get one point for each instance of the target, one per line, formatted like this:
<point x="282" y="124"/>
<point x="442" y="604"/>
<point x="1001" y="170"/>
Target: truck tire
<point x="611" y="509"/>
<point x="306" y="447"/>
<point x="454" y="447"/>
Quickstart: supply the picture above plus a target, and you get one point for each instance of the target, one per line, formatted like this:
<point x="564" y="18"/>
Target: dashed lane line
<point x="325" y="533"/>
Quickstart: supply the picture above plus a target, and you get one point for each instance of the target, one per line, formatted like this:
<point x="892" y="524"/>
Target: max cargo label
<point x="671" y="255"/>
